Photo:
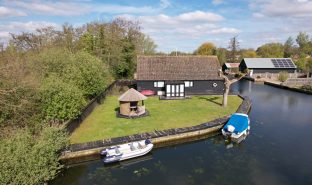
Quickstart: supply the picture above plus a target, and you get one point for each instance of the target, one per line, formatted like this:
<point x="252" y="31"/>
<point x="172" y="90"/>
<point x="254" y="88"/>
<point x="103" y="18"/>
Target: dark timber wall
<point x="255" y="71"/>
<point x="199" y="87"/>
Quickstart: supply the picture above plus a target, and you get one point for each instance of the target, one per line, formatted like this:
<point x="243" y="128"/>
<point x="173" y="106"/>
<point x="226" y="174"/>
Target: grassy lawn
<point x="102" y="123"/>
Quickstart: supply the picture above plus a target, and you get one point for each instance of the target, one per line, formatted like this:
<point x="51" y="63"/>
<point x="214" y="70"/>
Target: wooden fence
<point x="71" y="125"/>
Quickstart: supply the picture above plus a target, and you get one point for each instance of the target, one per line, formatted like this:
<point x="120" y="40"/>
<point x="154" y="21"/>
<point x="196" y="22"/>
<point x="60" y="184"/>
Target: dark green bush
<point x="28" y="159"/>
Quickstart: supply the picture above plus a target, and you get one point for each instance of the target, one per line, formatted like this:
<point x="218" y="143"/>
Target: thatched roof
<point x="178" y="68"/>
<point x="132" y="95"/>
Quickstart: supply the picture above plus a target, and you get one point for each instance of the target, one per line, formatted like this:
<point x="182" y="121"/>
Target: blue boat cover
<point x="240" y="123"/>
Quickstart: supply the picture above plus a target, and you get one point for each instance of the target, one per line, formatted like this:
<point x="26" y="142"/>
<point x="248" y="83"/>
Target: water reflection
<point x="278" y="151"/>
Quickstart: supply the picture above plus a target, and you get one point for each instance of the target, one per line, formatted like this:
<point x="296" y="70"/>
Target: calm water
<point x="278" y="150"/>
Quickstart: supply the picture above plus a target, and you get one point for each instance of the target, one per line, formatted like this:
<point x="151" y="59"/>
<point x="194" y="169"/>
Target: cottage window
<point x="188" y="83"/>
<point x="159" y="84"/>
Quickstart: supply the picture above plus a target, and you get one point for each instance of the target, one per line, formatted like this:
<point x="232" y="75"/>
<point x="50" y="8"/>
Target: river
<point x="277" y="151"/>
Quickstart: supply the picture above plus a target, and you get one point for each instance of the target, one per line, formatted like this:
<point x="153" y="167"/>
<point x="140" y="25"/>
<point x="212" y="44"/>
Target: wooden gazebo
<point x="130" y="104"/>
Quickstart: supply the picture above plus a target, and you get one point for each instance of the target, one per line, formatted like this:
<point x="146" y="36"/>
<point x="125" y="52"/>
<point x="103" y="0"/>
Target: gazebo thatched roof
<point x="132" y="95"/>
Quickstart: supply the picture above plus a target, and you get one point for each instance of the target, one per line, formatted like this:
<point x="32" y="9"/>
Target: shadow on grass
<point x="212" y="100"/>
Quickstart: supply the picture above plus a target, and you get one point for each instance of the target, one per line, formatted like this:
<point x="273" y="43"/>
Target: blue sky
<point x="172" y="24"/>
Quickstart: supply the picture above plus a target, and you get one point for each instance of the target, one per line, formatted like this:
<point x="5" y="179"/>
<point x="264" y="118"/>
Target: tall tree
<point x="233" y="49"/>
<point x="289" y="47"/>
<point x="206" y="48"/>
<point x="222" y="53"/>
<point x="271" y="50"/>
<point x="248" y="53"/>
<point x="303" y="41"/>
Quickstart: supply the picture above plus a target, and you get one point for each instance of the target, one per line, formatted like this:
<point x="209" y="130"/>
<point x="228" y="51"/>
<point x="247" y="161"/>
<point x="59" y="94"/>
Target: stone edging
<point x="83" y="150"/>
<point x="288" y="88"/>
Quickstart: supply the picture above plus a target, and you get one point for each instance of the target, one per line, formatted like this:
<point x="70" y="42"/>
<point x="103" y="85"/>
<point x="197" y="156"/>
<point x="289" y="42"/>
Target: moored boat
<point x="237" y="127"/>
<point x="126" y="151"/>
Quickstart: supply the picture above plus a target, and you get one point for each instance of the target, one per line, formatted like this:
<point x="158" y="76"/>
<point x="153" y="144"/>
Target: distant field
<point x="102" y="123"/>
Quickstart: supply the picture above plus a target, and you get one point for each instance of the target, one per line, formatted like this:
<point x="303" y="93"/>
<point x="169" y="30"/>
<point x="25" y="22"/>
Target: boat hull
<point x="127" y="154"/>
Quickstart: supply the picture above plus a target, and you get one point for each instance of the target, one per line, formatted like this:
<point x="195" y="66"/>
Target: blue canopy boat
<point x="237" y="126"/>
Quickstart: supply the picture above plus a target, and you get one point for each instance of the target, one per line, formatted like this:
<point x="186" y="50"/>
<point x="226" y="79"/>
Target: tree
<point x="233" y="49"/>
<point x="248" y="53"/>
<point x="227" y="85"/>
<point x="304" y="43"/>
<point x="289" y="47"/>
<point x="271" y="50"/>
<point x="222" y="53"/>
<point x="31" y="159"/>
<point x="206" y="48"/>
<point x="61" y="101"/>
<point x="147" y="46"/>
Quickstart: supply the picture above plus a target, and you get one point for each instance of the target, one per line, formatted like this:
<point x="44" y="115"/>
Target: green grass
<point x="102" y="123"/>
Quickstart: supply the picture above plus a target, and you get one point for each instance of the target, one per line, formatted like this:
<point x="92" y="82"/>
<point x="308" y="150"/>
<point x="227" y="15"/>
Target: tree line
<point x="299" y="49"/>
<point x="46" y="78"/>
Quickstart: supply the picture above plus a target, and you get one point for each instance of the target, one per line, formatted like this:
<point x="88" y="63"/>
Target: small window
<point x="159" y="84"/>
<point x="188" y="83"/>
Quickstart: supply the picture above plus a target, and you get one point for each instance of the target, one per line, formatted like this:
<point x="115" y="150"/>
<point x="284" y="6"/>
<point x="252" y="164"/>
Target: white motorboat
<point x="126" y="151"/>
<point x="237" y="127"/>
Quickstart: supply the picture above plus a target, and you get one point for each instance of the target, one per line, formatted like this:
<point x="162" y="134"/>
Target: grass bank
<point x="102" y="123"/>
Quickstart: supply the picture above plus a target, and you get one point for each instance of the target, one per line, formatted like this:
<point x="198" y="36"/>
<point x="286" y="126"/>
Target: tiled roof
<point x="177" y="68"/>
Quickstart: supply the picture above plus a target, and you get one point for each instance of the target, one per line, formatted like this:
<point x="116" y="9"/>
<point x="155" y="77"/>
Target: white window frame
<point x="188" y="83"/>
<point x="159" y="84"/>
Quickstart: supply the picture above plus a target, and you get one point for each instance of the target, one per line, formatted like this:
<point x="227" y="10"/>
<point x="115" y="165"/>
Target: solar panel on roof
<point x="282" y="63"/>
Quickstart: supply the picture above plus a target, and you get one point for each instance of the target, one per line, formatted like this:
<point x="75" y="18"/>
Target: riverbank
<point x="287" y="87"/>
<point x="77" y="153"/>
<point x="278" y="85"/>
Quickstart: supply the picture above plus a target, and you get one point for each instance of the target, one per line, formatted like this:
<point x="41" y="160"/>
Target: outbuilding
<point x="230" y="67"/>
<point x="267" y="65"/>
<point x="174" y="77"/>
<point x="130" y="105"/>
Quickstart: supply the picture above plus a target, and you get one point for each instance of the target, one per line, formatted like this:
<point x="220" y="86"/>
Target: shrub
<point x="283" y="76"/>
<point x="238" y="75"/>
<point x="27" y="159"/>
<point x="60" y="101"/>
<point x="307" y="87"/>
<point x="90" y="75"/>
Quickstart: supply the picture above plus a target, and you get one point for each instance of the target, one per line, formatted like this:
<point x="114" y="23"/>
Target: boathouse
<point x="132" y="104"/>
<point x="230" y="67"/>
<point x="178" y="76"/>
<point x="267" y="65"/>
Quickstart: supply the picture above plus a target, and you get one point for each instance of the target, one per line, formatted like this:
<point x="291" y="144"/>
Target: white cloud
<point x="283" y="8"/>
<point x="26" y="26"/>
<point x="184" y="30"/>
<point x="116" y="9"/>
<point x="217" y="2"/>
<point x="200" y="16"/>
<point x="165" y="4"/>
<point x="9" y="12"/>
<point x="17" y="27"/>
<point x="53" y="8"/>
<point x="75" y="8"/>
<point x="4" y="35"/>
